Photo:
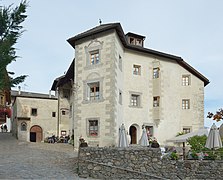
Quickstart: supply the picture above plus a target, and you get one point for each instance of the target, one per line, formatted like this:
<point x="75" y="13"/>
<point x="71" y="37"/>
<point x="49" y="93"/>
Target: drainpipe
<point x="58" y="112"/>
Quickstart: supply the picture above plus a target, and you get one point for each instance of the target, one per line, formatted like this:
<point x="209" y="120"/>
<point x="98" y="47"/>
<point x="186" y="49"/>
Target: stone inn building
<point x="37" y="116"/>
<point x="118" y="81"/>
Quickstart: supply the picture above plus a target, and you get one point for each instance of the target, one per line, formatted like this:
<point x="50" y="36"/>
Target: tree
<point x="10" y="31"/>
<point x="218" y="116"/>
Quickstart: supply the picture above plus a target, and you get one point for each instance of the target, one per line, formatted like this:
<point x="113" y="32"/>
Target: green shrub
<point x="197" y="143"/>
<point x="174" y="156"/>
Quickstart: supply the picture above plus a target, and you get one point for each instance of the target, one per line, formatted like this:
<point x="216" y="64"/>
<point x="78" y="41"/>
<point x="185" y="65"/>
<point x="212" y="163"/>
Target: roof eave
<point x="72" y="41"/>
<point x="194" y="71"/>
<point x="117" y="26"/>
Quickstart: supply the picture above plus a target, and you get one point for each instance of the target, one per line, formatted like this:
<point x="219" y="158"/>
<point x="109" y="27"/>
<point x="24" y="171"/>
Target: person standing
<point x="5" y="128"/>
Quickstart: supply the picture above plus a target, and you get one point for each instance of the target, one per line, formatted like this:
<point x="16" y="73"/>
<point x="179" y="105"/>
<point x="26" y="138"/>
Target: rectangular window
<point x="120" y="97"/>
<point x="186" y="130"/>
<point x="131" y="40"/>
<point x="94" y="57"/>
<point x="135" y="100"/>
<point x="120" y="63"/>
<point x="93" y="127"/>
<point x="53" y="114"/>
<point x="34" y="112"/>
<point x="185" y="80"/>
<point x="149" y="130"/>
<point x="156" y="73"/>
<point x="185" y="104"/>
<point x="138" y="42"/>
<point x="94" y="91"/>
<point x="63" y="133"/>
<point x="71" y="110"/>
<point x="63" y="112"/>
<point x="136" y="69"/>
<point x="156" y="101"/>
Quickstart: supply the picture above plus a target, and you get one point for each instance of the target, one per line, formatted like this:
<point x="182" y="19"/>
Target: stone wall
<point x="142" y="163"/>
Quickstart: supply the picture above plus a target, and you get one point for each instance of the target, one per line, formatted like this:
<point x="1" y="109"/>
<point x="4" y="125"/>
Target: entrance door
<point x="133" y="134"/>
<point x="32" y="137"/>
<point x="36" y="134"/>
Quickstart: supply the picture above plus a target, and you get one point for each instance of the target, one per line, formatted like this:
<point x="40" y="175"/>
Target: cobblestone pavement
<point x="26" y="160"/>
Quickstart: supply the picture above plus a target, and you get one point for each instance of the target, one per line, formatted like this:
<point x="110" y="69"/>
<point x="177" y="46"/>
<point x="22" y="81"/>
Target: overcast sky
<point x="190" y="29"/>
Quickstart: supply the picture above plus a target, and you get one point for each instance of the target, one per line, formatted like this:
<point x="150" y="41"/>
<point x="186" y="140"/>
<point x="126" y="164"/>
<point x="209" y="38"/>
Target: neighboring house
<point x="63" y="87"/>
<point x="119" y="81"/>
<point x="5" y="109"/>
<point x="35" y="116"/>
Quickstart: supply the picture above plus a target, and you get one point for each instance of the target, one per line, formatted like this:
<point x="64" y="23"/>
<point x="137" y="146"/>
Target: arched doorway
<point x="133" y="134"/>
<point x="36" y="134"/>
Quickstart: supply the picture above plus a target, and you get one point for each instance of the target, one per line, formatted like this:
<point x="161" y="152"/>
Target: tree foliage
<point x="218" y="116"/>
<point x="197" y="143"/>
<point x="10" y="31"/>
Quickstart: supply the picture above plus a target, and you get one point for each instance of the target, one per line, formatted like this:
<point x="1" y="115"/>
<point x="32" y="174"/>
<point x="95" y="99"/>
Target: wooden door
<point x="133" y="134"/>
<point x="38" y="133"/>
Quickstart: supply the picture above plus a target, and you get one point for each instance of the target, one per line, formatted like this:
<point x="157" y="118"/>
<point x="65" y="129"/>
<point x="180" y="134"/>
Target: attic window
<point x="132" y="41"/>
<point x="135" y="40"/>
<point x="138" y="42"/>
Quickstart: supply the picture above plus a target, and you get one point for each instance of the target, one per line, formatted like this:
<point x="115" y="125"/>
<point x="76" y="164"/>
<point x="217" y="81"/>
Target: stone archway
<point x="133" y="134"/>
<point x="36" y="134"/>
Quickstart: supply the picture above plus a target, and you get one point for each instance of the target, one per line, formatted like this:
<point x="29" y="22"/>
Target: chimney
<point x="19" y="92"/>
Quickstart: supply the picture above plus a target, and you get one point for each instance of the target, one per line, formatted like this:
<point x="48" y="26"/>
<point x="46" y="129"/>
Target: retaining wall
<point x="142" y="163"/>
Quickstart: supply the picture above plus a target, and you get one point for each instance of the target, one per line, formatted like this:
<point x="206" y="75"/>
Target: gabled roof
<point x="31" y="95"/>
<point x="117" y="27"/>
<point x="65" y="78"/>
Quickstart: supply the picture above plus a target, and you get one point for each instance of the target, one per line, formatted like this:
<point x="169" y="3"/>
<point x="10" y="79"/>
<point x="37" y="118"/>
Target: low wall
<point x="142" y="163"/>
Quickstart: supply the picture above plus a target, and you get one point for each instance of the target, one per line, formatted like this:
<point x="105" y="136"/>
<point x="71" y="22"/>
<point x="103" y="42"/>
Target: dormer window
<point x="138" y="42"/>
<point x="132" y="41"/>
<point x="135" y="39"/>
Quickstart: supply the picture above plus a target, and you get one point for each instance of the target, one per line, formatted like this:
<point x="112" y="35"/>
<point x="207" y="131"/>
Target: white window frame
<point x="136" y="69"/>
<point x="93" y="91"/>
<point x="90" y="129"/>
<point x="185" y="103"/>
<point x="186" y="130"/>
<point x="93" y="48"/>
<point x="185" y="80"/>
<point x="94" y="57"/>
<point x="156" y="73"/>
<point x="136" y="102"/>
<point x="87" y="90"/>
<point x="156" y="101"/>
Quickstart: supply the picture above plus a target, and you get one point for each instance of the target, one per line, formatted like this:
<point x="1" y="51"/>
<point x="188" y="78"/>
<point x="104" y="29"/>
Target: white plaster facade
<point x="114" y="78"/>
<point x="65" y="110"/>
<point x="26" y="120"/>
